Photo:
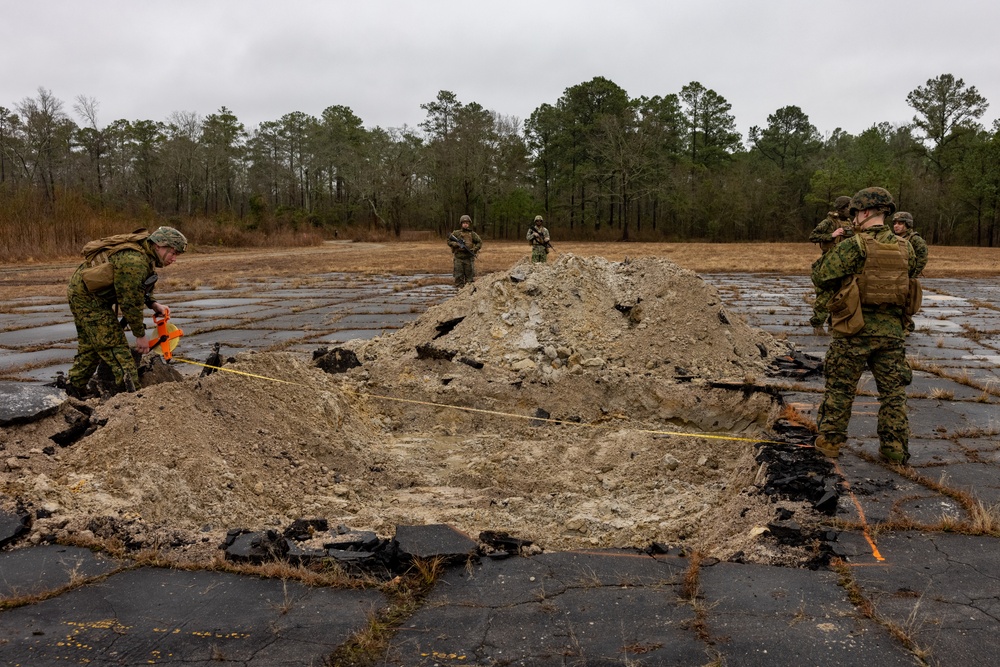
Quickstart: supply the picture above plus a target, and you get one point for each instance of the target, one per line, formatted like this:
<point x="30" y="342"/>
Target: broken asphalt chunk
<point x="304" y="529"/>
<point x="21" y="402"/>
<point x="256" y="548"/>
<point x="12" y="526"/>
<point x="428" y="351"/>
<point x="337" y="360"/>
<point x="444" y="328"/>
<point x="355" y="540"/>
<point x="434" y="541"/>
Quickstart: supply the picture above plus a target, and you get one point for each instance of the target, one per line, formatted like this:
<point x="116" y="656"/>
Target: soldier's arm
<point x="822" y="233"/>
<point x="911" y="257"/>
<point x="477" y="242"/>
<point x="920" y="250"/>
<point x="842" y="261"/>
<point x="131" y="268"/>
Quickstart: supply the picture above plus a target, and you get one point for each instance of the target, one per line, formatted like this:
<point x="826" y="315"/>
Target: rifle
<point x="461" y="244"/>
<point x="547" y="244"/>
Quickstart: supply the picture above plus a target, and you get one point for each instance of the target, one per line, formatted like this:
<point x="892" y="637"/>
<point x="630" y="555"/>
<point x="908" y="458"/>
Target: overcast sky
<point x="846" y="64"/>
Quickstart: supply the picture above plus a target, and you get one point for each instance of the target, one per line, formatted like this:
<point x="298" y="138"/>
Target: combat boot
<point x="890" y="454"/>
<point x="826" y="447"/>
<point x="77" y="393"/>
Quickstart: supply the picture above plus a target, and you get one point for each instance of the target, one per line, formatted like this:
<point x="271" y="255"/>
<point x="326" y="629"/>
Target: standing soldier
<point x="902" y="224"/>
<point x="883" y="265"/>
<point x="832" y="230"/>
<point x="465" y="245"/>
<point x="115" y="274"/>
<point x="539" y="239"/>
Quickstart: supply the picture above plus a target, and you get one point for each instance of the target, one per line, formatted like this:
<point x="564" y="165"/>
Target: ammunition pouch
<point x="98" y="278"/>
<point x="845" y="309"/>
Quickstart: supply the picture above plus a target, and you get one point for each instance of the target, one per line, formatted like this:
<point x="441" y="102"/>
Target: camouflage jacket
<point x="919" y="248"/>
<point x="472" y="242"/>
<point x="823" y="233"/>
<point x="131" y="268"/>
<point x="538" y="235"/>
<point x="847" y="259"/>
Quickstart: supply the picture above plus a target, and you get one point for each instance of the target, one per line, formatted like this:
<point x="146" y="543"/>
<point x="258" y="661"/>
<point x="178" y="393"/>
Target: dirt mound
<point x="581" y="314"/>
<point x="569" y="403"/>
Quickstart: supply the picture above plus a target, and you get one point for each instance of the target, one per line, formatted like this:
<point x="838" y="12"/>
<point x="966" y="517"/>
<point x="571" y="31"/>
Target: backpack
<point x="99" y="273"/>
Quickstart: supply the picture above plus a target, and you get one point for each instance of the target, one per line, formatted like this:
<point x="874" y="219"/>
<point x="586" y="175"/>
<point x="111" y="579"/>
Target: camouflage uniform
<point x="538" y="237"/>
<point x="823" y="235"/>
<point x="100" y="336"/>
<point x="919" y="248"/>
<point x="464" y="269"/>
<point x="878" y="346"/>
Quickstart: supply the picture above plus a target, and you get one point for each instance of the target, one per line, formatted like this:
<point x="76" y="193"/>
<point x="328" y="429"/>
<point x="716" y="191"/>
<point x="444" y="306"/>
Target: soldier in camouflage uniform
<point x="883" y="263"/>
<point x="902" y="225"/>
<point x="95" y="291"/>
<point x="465" y="245"/>
<point x="538" y="237"/>
<point x="832" y="230"/>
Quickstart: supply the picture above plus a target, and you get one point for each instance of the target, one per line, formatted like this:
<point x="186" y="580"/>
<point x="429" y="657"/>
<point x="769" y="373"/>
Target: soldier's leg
<point x="470" y="271"/>
<point x="537" y="253"/>
<point x="84" y="363"/>
<point x="843" y="365"/>
<point x="107" y="339"/>
<point x="458" y="272"/>
<point x="892" y="376"/>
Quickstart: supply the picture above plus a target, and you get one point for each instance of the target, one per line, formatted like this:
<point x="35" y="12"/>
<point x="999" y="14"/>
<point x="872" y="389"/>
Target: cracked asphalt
<point x="916" y="583"/>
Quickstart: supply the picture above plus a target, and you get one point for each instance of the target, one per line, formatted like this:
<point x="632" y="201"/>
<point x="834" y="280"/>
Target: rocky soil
<point x="581" y="403"/>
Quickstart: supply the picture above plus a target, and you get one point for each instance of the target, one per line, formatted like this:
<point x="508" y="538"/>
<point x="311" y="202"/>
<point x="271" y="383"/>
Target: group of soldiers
<point x="867" y="273"/>
<point x="860" y="252"/>
<point x="465" y="245"/>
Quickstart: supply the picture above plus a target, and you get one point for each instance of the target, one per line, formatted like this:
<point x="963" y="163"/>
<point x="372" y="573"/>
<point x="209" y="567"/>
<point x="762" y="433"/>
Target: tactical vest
<point x="885" y="279"/>
<point x="99" y="272"/>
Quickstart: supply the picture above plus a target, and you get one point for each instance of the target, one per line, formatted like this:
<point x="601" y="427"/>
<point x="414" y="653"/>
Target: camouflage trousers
<point x="845" y="361"/>
<point x="539" y="253"/>
<point x="464" y="270"/>
<point x="99" y="338"/>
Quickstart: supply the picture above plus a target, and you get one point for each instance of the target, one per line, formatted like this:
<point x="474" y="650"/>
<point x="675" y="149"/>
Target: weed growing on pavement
<point x="406" y="593"/>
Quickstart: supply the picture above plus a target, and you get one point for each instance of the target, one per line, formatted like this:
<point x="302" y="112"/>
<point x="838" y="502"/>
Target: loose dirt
<point x="569" y="403"/>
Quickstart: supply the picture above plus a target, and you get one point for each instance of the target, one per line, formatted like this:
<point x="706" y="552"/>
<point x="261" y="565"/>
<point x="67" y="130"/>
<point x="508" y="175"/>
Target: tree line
<point x="597" y="163"/>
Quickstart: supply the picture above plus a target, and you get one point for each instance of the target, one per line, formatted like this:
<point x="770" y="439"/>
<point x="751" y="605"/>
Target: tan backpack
<point x="99" y="274"/>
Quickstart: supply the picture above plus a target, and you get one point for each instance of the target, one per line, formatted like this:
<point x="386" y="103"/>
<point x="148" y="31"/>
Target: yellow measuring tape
<point x="711" y="436"/>
<point x="867" y="535"/>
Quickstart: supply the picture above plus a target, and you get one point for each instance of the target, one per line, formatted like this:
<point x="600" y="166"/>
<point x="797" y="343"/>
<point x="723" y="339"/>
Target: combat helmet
<point x="170" y="237"/>
<point x="904" y="218"/>
<point x="465" y="218"/>
<point x="539" y="218"/>
<point x="843" y="201"/>
<point x="877" y="198"/>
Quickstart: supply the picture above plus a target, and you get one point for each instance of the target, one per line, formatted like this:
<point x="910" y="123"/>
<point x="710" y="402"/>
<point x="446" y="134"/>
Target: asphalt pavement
<point x="917" y="584"/>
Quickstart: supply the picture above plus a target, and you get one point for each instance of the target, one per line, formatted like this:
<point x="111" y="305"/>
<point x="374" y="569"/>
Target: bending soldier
<point x="882" y="265"/>
<point x="832" y="230"/>
<point x="465" y="245"/>
<point x="114" y="275"/>
<point x="538" y="237"/>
